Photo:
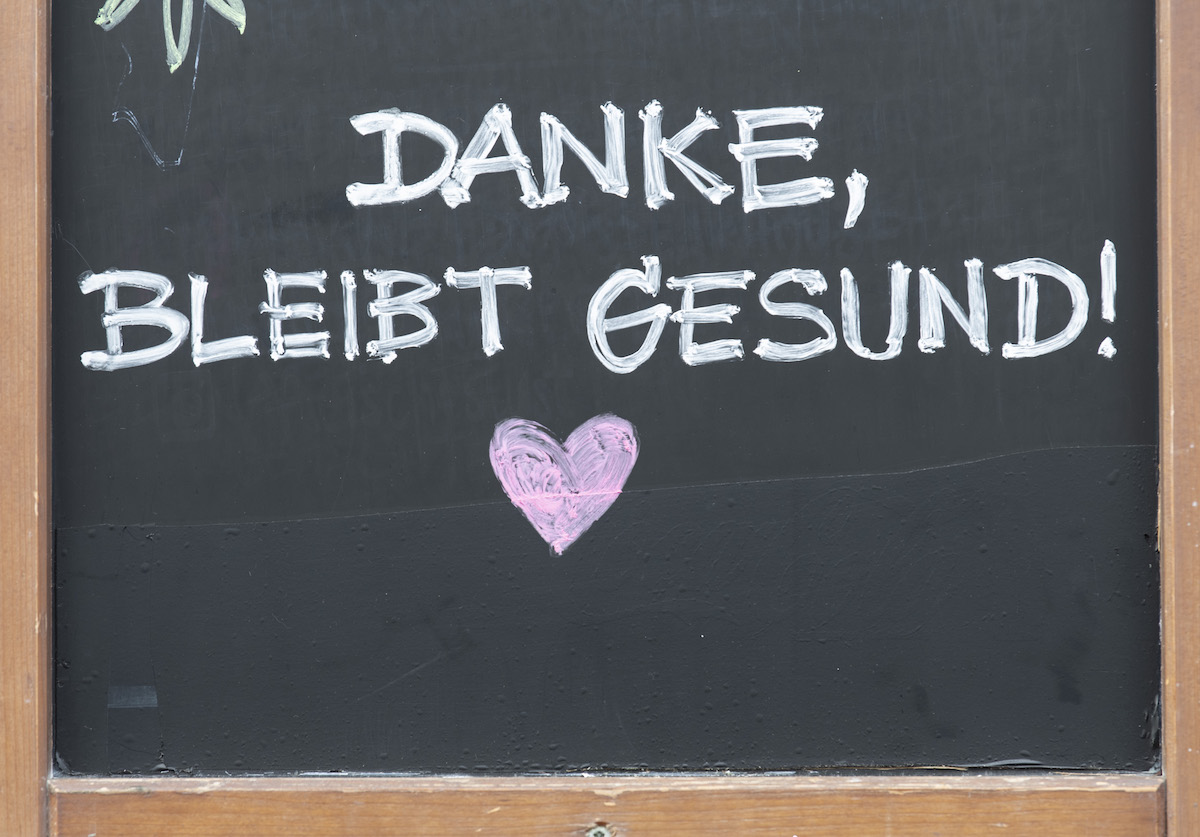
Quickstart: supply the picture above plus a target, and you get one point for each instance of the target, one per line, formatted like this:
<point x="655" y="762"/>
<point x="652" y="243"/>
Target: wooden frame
<point x="34" y="803"/>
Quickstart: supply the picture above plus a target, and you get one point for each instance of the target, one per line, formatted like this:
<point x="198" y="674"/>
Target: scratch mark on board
<point x="114" y="11"/>
<point x="414" y="670"/>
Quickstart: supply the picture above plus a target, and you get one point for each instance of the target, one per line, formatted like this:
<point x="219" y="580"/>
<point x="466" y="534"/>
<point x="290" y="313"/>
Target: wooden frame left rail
<point x="24" y="418"/>
<point x="32" y="804"/>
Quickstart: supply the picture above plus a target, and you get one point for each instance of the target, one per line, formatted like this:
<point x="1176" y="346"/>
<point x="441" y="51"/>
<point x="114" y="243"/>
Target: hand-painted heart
<point x="563" y="489"/>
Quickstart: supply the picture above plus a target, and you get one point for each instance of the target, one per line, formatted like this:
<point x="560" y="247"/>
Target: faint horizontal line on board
<point x="628" y="489"/>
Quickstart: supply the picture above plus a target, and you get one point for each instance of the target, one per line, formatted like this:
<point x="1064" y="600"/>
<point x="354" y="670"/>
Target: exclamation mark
<point x="1108" y="294"/>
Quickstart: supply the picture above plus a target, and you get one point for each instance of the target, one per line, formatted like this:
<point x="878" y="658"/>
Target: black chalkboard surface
<point x="533" y="386"/>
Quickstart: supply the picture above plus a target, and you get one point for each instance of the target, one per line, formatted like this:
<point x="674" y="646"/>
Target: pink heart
<point x="563" y="489"/>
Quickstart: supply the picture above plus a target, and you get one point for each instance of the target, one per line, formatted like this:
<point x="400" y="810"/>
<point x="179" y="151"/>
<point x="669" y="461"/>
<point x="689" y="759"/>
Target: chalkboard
<point x="813" y="423"/>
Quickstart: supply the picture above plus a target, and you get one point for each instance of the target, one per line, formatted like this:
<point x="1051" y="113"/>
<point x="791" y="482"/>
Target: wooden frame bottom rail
<point x="896" y="806"/>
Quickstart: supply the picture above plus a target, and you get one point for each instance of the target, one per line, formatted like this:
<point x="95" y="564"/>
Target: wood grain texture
<point x="896" y="806"/>
<point x="24" y="417"/>
<point x="1179" y="288"/>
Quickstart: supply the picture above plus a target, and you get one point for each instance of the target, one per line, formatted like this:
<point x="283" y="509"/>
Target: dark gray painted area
<point x="959" y="615"/>
<point x="942" y="558"/>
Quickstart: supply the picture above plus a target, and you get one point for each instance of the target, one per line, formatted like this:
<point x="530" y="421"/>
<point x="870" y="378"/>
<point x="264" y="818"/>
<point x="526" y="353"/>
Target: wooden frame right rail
<point x="1179" y="399"/>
